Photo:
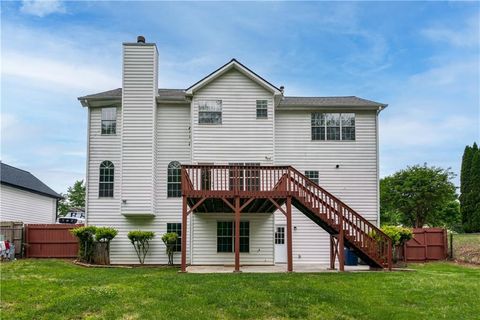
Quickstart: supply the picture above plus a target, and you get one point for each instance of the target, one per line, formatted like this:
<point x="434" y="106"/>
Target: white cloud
<point x="42" y="8"/>
<point x="64" y="74"/>
<point x="465" y="36"/>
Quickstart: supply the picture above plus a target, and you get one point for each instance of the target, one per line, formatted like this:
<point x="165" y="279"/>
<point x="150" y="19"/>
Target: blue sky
<point x="422" y="58"/>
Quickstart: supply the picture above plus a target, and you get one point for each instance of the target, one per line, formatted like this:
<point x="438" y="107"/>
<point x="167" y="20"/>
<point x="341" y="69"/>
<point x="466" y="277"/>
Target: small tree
<point x="418" y="193"/>
<point x="170" y="240"/>
<point x="75" y="197"/>
<point x="86" y="239"/>
<point x="141" y="242"/>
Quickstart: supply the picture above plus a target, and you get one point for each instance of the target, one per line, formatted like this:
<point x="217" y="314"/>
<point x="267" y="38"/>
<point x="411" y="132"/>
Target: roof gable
<point x="233" y="64"/>
<point x="22" y="179"/>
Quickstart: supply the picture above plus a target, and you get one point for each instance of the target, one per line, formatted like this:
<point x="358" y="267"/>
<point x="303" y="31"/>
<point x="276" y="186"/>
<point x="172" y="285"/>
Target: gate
<point x="428" y="244"/>
<point x="50" y="241"/>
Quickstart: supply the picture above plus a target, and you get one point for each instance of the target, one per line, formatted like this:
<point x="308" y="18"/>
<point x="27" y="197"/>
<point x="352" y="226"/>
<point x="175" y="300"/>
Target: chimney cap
<point x="140" y="39"/>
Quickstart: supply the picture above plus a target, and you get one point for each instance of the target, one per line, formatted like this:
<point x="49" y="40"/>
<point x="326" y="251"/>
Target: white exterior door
<point x="280" y="244"/>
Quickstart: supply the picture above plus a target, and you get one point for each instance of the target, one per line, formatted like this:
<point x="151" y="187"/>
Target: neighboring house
<point x="25" y="198"/>
<point x="141" y="138"/>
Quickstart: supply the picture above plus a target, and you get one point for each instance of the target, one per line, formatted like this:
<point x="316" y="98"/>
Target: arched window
<point x="174" y="182"/>
<point x="105" y="188"/>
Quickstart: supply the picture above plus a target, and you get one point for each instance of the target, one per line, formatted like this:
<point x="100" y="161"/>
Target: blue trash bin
<point x="351" y="258"/>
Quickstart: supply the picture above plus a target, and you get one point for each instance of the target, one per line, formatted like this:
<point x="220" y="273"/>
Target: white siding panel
<point x="25" y="206"/>
<point x="354" y="182"/>
<point x="172" y="131"/>
<point x="241" y="137"/>
<point x="138" y="135"/>
<point x="205" y="240"/>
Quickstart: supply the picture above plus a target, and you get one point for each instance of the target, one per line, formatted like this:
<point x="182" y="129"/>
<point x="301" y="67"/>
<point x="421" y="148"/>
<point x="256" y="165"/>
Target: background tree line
<point x="426" y="196"/>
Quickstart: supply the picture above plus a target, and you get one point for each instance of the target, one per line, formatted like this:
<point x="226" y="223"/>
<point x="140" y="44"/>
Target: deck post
<point x="332" y="253"/>
<point x="341" y="245"/>
<point x="289" y="235"/>
<point x="237" y="234"/>
<point x="184" y="234"/>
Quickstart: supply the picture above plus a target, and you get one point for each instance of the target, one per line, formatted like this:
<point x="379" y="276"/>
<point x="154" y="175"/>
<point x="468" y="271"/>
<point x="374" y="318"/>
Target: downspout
<point x="378" y="165"/>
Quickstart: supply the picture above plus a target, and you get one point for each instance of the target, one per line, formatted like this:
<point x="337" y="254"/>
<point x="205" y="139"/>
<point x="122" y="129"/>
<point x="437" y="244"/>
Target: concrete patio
<point x="278" y="268"/>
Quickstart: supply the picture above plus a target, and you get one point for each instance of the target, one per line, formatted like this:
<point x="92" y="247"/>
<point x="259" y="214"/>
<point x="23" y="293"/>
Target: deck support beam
<point x="341" y="245"/>
<point x="289" y="234"/>
<point x="184" y="234"/>
<point x="237" y="234"/>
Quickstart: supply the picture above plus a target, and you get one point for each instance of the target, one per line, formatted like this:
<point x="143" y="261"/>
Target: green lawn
<point x="55" y="289"/>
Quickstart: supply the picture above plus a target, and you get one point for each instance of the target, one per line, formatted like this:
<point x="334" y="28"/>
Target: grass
<point x="466" y="247"/>
<point x="56" y="289"/>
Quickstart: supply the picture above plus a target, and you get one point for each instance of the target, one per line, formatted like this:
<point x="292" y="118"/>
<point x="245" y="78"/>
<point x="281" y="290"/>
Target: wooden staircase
<point x="337" y="218"/>
<point x="236" y="189"/>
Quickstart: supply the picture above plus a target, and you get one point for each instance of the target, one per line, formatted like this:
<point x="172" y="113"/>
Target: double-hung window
<point x="176" y="228"/>
<point x="333" y="126"/>
<point x="245" y="176"/>
<point x="262" y="109"/>
<point x="210" y="112"/>
<point x="312" y="175"/>
<point x="226" y="236"/>
<point x="109" y="120"/>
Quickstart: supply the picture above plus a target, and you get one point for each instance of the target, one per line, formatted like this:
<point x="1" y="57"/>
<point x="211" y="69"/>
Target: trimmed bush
<point x="91" y="237"/>
<point x="141" y="242"/>
<point x="170" y="240"/>
<point x="86" y="239"/>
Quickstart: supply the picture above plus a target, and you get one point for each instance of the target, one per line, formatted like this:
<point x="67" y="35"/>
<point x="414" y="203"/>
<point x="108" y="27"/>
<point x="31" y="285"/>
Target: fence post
<point x="451" y="245"/>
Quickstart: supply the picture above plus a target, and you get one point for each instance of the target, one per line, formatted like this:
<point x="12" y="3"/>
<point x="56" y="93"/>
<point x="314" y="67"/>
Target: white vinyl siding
<point x="172" y="131"/>
<point x="26" y="206"/>
<point x="354" y="181"/>
<point x="240" y="137"/>
<point x="138" y="129"/>
<point x="205" y="240"/>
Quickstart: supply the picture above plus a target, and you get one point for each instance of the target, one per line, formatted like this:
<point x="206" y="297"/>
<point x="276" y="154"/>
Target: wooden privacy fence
<point x="50" y="241"/>
<point x="428" y="244"/>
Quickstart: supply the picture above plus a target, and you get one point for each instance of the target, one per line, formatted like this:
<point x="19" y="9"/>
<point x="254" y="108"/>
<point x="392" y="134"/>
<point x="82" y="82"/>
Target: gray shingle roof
<point x="179" y="95"/>
<point x="347" y="101"/>
<point x="163" y="94"/>
<point x="22" y="179"/>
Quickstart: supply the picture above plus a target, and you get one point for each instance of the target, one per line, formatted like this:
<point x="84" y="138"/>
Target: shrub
<point x="86" y="240"/>
<point x="170" y="240"/>
<point x="141" y="242"/>
<point x="399" y="235"/>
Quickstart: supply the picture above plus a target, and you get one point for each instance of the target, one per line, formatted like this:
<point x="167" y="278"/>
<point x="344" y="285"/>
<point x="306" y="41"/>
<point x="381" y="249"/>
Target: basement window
<point x="262" y="109"/>
<point x="226" y="236"/>
<point x="333" y="126"/>
<point x="210" y="112"/>
<point x="176" y="228"/>
<point x="109" y="120"/>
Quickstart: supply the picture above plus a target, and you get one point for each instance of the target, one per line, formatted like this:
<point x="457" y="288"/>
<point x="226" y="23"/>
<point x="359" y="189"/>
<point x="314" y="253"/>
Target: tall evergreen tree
<point x="474" y="192"/>
<point x="465" y="185"/>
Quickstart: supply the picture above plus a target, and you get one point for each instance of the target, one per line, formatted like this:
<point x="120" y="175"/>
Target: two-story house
<point x="221" y="163"/>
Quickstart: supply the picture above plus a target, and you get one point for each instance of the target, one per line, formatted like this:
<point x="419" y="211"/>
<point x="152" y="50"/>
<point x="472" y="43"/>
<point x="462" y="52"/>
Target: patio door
<point x="280" y="244"/>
